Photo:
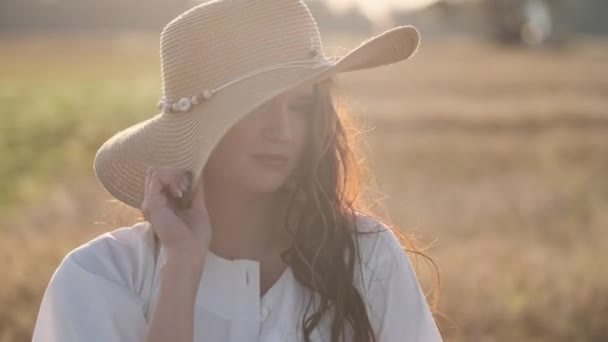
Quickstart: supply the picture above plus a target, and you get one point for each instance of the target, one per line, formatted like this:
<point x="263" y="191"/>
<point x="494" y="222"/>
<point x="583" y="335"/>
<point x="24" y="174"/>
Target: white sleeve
<point x="81" y="306"/>
<point x="398" y="309"/>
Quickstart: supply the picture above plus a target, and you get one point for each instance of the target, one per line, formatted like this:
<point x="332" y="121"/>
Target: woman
<point x="248" y="186"/>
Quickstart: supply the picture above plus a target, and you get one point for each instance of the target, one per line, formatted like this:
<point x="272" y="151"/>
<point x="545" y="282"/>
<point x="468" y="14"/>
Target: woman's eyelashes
<point x="300" y="107"/>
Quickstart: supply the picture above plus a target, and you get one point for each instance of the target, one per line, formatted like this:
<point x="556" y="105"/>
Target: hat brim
<point x="185" y="140"/>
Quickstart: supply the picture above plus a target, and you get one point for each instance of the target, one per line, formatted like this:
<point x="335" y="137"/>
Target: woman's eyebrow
<point x="305" y="97"/>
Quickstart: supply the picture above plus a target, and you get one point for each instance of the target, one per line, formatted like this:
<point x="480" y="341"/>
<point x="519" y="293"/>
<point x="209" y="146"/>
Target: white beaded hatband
<point x="186" y="103"/>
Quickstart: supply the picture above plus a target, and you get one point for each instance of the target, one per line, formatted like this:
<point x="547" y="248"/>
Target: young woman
<point x="248" y="184"/>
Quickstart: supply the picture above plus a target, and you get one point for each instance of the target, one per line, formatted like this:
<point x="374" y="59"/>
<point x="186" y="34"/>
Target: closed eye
<point x="303" y="104"/>
<point x="301" y="107"/>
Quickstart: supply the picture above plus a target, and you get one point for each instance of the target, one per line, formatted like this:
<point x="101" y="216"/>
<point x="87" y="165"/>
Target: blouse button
<point x="264" y="312"/>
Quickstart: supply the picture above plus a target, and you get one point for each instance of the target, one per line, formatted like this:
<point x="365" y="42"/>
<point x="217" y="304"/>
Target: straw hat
<point x="220" y="60"/>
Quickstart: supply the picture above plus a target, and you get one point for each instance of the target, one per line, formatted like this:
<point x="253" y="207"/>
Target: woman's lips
<point x="273" y="160"/>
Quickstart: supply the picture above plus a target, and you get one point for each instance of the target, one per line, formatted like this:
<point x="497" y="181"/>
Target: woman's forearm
<point x="173" y="316"/>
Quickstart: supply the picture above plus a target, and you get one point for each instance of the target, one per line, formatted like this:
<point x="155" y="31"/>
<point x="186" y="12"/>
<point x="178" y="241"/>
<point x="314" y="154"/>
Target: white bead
<point x="161" y="103"/>
<point x="312" y="45"/>
<point x="184" y="104"/>
<point x="175" y="107"/>
<point x="194" y="100"/>
<point x="207" y="94"/>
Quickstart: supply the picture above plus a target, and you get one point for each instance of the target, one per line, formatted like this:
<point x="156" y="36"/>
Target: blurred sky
<point x="377" y="9"/>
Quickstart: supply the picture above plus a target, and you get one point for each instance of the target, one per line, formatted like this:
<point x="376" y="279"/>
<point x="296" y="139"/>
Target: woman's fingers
<point x="162" y="181"/>
<point x="169" y="178"/>
<point x="178" y="227"/>
<point x="185" y="182"/>
<point x="159" y="183"/>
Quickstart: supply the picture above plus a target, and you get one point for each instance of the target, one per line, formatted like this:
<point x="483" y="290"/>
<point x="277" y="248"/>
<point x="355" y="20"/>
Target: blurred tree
<point x="353" y="20"/>
<point x="88" y="14"/>
<point x="590" y="16"/>
<point x="531" y="22"/>
<point x="135" y="15"/>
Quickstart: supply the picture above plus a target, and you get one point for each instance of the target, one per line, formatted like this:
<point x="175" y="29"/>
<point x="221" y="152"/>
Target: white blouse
<point x="104" y="290"/>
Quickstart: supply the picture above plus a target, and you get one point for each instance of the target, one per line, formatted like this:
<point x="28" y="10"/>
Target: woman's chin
<point x="264" y="185"/>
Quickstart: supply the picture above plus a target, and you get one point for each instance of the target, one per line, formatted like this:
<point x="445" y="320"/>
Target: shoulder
<point x="122" y="256"/>
<point x="380" y="253"/>
<point x="377" y="242"/>
<point x="386" y="280"/>
<point x="100" y="291"/>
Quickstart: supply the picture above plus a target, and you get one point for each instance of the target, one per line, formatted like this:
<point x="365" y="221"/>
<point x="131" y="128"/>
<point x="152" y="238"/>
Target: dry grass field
<point x="496" y="157"/>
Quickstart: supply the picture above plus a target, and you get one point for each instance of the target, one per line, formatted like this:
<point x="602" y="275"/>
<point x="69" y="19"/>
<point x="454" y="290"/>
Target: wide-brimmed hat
<point x="220" y="60"/>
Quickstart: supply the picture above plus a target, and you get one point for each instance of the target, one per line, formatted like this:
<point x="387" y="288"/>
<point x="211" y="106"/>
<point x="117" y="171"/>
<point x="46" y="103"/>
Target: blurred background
<point x="491" y="146"/>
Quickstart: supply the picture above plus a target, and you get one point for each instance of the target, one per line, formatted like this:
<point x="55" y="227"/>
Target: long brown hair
<point x="324" y="255"/>
<point x="331" y="179"/>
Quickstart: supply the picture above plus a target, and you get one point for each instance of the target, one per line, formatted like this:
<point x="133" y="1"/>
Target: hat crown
<point x="219" y="41"/>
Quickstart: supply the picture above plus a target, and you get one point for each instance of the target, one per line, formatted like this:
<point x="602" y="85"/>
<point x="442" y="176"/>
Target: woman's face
<point x="260" y="153"/>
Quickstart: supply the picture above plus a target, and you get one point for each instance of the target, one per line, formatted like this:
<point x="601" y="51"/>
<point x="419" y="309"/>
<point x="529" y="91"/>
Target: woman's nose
<point x="279" y="124"/>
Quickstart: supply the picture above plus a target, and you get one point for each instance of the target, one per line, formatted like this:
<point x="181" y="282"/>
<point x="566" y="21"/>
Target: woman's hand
<point x="185" y="232"/>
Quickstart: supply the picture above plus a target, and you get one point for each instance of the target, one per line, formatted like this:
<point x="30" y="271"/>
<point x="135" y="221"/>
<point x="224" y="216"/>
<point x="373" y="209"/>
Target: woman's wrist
<point x="182" y="268"/>
<point x="173" y="317"/>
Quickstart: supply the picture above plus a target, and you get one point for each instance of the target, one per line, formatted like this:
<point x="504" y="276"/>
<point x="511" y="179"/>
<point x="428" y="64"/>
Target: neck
<point x="244" y="223"/>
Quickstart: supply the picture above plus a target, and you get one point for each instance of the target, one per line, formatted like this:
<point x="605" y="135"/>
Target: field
<point x="497" y="158"/>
